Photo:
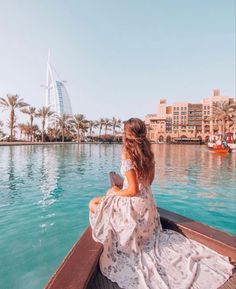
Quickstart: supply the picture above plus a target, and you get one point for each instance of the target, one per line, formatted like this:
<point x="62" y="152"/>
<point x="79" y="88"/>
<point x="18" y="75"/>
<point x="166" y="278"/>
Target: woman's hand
<point x="94" y="203"/>
<point x="113" y="190"/>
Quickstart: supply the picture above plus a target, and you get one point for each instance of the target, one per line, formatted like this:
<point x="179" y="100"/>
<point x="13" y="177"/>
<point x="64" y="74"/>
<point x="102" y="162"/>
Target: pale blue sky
<point x="119" y="57"/>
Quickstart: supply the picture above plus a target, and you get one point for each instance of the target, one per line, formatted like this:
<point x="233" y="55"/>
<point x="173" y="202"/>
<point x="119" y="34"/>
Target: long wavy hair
<point x="138" y="147"/>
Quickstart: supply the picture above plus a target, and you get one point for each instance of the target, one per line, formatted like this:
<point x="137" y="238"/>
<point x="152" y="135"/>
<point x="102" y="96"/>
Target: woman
<point x="138" y="253"/>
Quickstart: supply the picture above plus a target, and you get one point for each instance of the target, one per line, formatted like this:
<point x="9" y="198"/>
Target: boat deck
<point x="101" y="282"/>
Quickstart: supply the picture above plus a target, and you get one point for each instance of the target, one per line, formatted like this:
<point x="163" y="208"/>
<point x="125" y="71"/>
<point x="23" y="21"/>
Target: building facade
<point x="183" y="120"/>
<point x="57" y="97"/>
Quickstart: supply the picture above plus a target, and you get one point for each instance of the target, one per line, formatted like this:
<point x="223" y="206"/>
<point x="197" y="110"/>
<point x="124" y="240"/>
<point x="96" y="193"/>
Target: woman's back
<point x="126" y="162"/>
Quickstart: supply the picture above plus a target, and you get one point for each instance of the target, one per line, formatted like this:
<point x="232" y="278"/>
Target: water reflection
<point x="48" y="177"/>
<point x="11" y="172"/>
<point x="194" y="166"/>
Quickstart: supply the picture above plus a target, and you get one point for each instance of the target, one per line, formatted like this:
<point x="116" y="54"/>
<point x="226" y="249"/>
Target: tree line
<point x="61" y="127"/>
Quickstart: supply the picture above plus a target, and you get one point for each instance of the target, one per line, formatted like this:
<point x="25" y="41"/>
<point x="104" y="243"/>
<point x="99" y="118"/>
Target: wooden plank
<point x="79" y="266"/>
<point x="101" y="282"/>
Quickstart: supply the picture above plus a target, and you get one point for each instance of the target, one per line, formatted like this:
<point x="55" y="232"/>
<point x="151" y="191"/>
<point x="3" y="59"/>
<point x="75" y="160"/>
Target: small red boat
<point x="219" y="149"/>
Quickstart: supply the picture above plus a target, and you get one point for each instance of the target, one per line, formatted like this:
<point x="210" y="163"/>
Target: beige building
<point x="184" y="120"/>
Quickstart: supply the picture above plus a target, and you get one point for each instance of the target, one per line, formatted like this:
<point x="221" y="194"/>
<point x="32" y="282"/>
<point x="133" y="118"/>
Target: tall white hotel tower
<point x="57" y="97"/>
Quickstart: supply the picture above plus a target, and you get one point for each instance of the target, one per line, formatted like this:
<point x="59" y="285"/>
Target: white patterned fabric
<point x="139" y="254"/>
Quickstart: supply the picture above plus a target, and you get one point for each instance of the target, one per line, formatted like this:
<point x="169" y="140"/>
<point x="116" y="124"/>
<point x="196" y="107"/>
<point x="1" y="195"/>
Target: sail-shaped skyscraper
<point x="57" y="97"/>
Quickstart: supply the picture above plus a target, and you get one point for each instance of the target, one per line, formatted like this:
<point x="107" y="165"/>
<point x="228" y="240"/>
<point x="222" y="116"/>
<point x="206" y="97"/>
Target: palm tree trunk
<point x="31" y="127"/>
<point x="223" y="127"/>
<point x="62" y="134"/>
<point x="113" y="133"/>
<point x="78" y="135"/>
<point x="43" y="125"/>
<point x="12" y="117"/>
<point x="100" y="130"/>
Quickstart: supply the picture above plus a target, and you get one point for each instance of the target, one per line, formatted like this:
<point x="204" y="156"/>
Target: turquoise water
<point x="45" y="190"/>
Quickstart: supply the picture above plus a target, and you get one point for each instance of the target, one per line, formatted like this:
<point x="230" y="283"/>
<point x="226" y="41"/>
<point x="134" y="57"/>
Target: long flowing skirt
<point x="139" y="254"/>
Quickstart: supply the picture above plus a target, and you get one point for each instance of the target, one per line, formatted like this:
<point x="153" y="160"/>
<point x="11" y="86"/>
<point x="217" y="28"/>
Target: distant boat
<point x="219" y="149"/>
<point x="231" y="145"/>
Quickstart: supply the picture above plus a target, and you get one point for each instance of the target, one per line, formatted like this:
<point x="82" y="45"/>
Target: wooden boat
<point x="219" y="149"/>
<point x="80" y="268"/>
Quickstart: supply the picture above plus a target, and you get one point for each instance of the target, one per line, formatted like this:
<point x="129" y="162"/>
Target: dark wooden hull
<point x="80" y="268"/>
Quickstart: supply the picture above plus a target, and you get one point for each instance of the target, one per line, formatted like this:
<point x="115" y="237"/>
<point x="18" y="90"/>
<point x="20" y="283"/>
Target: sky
<point x="119" y="57"/>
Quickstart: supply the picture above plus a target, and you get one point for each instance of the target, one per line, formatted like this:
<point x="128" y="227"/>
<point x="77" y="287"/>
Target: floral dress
<point x="139" y="254"/>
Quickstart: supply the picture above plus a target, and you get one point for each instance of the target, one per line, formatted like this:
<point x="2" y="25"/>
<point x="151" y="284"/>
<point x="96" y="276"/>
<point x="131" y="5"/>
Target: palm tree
<point x="1" y="131"/>
<point x="1" y="124"/>
<point x="116" y="123"/>
<point x="52" y="133"/>
<point x="12" y="102"/>
<point x="35" y="131"/>
<point x="31" y="111"/>
<point x="224" y="114"/>
<point x="101" y="122"/>
<point x="84" y="129"/>
<point x="44" y="113"/>
<point x="107" y="124"/>
<point x="28" y="130"/>
<point x="79" y="122"/>
<point x="92" y="124"/>
<point x="63" y="122"/>
<point x="21" y="127"/>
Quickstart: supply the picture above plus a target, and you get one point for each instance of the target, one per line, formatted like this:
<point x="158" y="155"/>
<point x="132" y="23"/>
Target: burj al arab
<point x="57" y="97"/>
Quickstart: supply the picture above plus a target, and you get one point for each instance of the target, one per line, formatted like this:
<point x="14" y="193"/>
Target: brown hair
<point x="138" y="147"/>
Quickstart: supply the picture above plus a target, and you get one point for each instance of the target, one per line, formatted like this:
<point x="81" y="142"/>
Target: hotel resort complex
<point x="186" y="121"/>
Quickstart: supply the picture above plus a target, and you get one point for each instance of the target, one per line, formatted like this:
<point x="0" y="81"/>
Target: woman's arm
<point x="133" y="187"/>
